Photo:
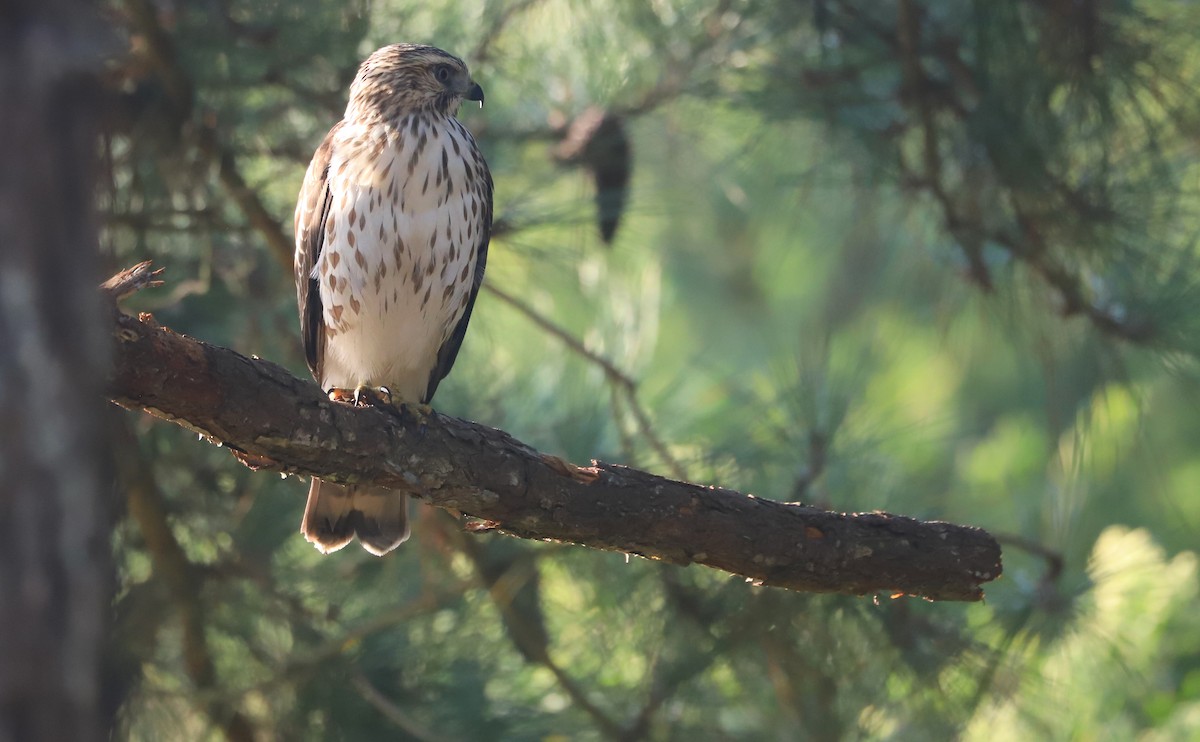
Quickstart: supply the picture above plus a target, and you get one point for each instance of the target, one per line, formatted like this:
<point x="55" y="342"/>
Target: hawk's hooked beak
<point x="474" y="92"/>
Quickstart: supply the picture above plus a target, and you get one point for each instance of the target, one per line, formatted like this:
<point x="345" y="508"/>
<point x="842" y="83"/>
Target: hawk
<point x="392" y="230"/>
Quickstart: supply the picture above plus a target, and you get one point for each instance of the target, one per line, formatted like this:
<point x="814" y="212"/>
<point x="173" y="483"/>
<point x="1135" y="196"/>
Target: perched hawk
<point x="392" y="230"/>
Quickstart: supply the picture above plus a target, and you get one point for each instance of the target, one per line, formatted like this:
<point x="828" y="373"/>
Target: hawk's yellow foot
<point x="417" y="411"/>
<point x="363" y="396"/>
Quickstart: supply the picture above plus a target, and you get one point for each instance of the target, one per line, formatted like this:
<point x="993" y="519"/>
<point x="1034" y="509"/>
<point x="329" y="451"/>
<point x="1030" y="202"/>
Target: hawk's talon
<point x="363" y="396"/>
<point x="374" y="396"/>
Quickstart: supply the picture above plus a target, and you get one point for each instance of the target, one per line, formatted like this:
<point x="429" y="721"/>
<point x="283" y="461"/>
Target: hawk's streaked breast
<point x="406" y="212"/>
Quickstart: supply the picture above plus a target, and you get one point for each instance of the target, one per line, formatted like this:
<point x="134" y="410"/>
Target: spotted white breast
<point x="405" y="211"/>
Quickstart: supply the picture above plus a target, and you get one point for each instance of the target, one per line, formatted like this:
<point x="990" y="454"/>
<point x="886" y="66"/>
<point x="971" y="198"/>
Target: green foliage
<point x="1116" y="670"/>
<point x="937" y="258"/>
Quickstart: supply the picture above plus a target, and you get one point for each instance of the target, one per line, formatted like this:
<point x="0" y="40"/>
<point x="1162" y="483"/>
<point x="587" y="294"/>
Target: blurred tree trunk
<point x="55" y="560"/>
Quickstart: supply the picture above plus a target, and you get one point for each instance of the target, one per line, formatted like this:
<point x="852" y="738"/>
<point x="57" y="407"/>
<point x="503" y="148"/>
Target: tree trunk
<point x="55" y="560"/>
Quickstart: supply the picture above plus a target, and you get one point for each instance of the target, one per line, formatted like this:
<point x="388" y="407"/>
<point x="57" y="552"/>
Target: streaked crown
<point x="405" y="78"/>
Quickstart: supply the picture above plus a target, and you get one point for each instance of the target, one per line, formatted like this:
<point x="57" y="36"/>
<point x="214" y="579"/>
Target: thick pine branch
<point x="272" y="420"/>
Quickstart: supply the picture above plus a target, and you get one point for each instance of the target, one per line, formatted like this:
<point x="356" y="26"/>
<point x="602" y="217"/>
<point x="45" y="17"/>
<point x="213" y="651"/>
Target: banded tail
<point x="336" y="513"/>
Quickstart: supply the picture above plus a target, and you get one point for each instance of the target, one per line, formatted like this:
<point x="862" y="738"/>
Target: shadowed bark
<point x="272" y="420"/>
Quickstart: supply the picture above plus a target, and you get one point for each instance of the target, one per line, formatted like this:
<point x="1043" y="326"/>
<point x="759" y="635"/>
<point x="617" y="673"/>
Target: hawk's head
<point x="403" y="78"/>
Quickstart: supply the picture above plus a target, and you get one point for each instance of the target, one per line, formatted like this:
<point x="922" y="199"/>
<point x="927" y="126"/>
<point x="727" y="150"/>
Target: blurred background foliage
<point x="926" y="256"/>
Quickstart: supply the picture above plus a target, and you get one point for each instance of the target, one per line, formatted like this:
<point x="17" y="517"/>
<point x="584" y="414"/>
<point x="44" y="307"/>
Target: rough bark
<point x="272" y="420"/>
<point x="55" y="563"/>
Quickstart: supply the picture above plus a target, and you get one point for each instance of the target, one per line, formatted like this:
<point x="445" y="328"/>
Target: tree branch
<point x="272" y="420"/>
<point x="391" y="711"/>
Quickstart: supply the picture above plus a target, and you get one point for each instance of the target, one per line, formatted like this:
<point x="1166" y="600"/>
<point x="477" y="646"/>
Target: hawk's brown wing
<point x="312" y="211"/>
<point x="449" y="350"/>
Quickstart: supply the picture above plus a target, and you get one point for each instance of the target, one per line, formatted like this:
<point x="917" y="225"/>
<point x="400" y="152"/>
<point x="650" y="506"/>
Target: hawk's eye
<point x="442" y="72"/>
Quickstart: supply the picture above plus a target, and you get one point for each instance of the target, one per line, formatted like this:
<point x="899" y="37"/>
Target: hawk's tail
<point x="336" y="513"/>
